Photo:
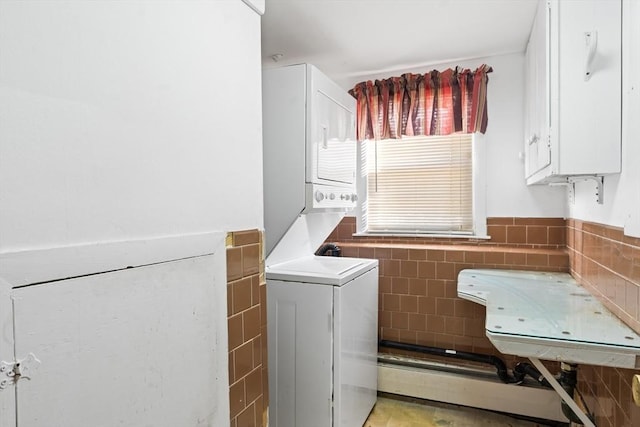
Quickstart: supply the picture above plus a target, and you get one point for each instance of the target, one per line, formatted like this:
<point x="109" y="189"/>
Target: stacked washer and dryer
<point x="322" y="312"/>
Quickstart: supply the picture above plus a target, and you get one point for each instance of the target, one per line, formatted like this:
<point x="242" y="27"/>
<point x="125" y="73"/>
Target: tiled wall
<point x="246" y="308"/>
<point x="418" y="297"/>
<point x="608" y="264"/>
<point x="418" y="302"/>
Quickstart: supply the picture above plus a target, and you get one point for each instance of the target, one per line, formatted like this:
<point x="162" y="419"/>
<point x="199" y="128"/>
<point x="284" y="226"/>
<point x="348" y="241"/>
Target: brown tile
<point x="427" y="269"/>
<point x="418" y="287"/>
<point x="364" y="252"/>
<point x="351" y="252"/>
<point x="462" y="343"/>
<point x="498" y="233"/>
<point x="500" y="221"/>
<point x="517" y="234"/>
<point x="474" y="257"/>
<point x="451" y="289"/>
<point x="391" y="302"/>
<point x="417" y="322"/>
<point x="444" y="340"/>
<point x="556" y="235"/>
<point x="474" y="328"/>
<point x="345" y="231"/>
<point x="264" y="360"/>
<point x="399" y="320"/>
<point x="454" y="256"/>
<point x="251" y="323"/>
<point x="236" y="336"/>
<point x="445" y="307"/>
<point x="537" y="235"/>
<point x="243" y="360"/>
<point x="454" y="325"/>
<point x="382" y="253"/>
<point x="234" y="264"/>
<point x="408" y="268"/>
<point x="229" y="300"/>
<point x="236" y="398"/>
<point x="494" y="257"/>
<point x="384" y="319"/>
<point x="399" y="253"/>
<point x="445" y="271"/>
<point x="384" y="285"/>
<point x="407" y="336"/>
<point x="537" y="260"/>
<point x="426" y="305"/>
<point x="258" y="348"/>
<point x="463" y="308"/>
<point x="255" y="289"/>
<point x="417" y="254"/>
<point x="435" y="324"/>
<point x="247" y="237"/>
<point x="400" y="285"/>
<point x="250" y="259"/>
<point x="557" y="222"/>
<point x="253" y="384"/>
<point x="408" y="303"/>
<point x="515" y="258"/>
<point x="247" y="418"/>
<point x="558" y="260"/>
<point x="435" y="255"/>
<point x="436" y="288"/>
<point x="232" y="376"/>
<point x="263" y="304"/>
<point x="390" y="267"/>
<point x="241" y="290"/>
<point x="425" y="338"/>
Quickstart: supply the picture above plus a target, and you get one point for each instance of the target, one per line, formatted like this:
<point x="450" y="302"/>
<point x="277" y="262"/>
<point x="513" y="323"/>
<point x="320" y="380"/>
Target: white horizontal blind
<point x="420" y="184"/>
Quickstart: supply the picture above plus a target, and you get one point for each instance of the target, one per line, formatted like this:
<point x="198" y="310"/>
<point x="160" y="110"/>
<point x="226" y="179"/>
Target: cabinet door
<point x="134" y="347"/>
<point x="588" y="108"/>
<point x="300" y="343"/>
<point x="537" y="94"/>
<point x="335" y="140"/>
<point x="355" y="349"/>
<point x="543" y="84"/>
<point x="332" y="131"/>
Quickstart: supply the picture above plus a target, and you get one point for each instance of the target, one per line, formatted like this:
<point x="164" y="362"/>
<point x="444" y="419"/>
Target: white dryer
<point x="322" y="341"/>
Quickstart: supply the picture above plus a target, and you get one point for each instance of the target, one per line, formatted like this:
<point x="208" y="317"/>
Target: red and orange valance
<point x="436" y="103"/>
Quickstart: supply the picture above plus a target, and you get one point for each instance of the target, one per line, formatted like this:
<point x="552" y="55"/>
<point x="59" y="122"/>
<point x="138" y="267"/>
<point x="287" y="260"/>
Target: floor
<point x="392" y="412"/>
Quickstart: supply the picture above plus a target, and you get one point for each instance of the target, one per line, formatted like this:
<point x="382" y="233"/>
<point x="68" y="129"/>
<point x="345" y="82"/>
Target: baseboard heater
<point x="466" y="386"/>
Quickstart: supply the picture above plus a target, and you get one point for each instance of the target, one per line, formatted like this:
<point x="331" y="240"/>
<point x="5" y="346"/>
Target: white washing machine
<point x="322" y="340"/>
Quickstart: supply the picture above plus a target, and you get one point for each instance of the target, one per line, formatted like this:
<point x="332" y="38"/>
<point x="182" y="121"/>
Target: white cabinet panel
<point x="574" y="120"/>
<point x="356" y="334"/>
<point x="135" y="347"/>
<point x="300" y="353"/>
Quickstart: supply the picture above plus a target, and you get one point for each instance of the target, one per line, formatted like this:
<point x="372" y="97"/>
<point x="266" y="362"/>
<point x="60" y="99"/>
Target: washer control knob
<point x="354" y="197"/>
<point x="332" y="196"/>
<point x="319" y="196"/>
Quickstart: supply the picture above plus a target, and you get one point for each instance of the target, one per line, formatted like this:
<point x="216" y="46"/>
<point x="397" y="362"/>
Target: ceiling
<point x="348" y="39"/>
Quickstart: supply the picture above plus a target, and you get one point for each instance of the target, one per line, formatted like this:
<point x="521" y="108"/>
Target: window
<point x="423" y="185"/>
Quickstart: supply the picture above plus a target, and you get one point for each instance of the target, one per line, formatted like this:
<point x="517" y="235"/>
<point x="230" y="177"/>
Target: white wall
<point x="124" y="120"/>
<point x="507" y="193"/>
<point x="621" y="206"/>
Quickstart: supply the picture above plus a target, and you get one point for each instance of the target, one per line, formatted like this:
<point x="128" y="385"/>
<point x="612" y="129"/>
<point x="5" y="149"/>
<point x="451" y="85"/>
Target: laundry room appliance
<point x="322" y="312"/>
<point x="323" y="341"/>
<point x="309" y="148"/>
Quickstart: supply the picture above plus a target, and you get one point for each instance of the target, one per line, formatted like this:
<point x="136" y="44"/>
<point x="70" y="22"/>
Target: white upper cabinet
<point x="573" y="90"/>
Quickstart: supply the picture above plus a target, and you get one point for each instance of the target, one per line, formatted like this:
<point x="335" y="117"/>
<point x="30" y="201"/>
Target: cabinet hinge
<point x="548" y="141"/>
<point x="11" y="372"/>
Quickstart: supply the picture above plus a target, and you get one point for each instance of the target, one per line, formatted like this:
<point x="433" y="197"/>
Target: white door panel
<point x="134" y="347"/>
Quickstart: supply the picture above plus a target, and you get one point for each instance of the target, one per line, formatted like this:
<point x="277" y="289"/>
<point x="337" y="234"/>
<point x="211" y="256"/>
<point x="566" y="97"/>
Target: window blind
<point x="420" y="184"/>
